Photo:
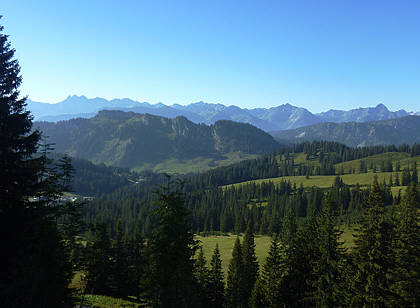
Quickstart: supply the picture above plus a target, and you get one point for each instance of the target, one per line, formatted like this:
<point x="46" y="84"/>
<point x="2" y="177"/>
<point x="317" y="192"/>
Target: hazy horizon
<point x="186" y="104"/>
<point x="319" y="56"/>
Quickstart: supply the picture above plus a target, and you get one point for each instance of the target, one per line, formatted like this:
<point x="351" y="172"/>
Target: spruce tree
<point x="258" y="296"/>
<point x="250" y="261"/>
<point x="99" y="263"/>
<point x="172" y="248"/>
<point x="373" y="258"/>
<point x="136" y="260"/>
<point x="235" y="291"/>
<point x="327" y="268"/>
<point x="35" y="268"/>
<point x="407" y="248"/>
<point x="120" y="266"/>
<point x="216" y="285"/>
<point x="201" y="273"/>
<point x="270" y="288"/>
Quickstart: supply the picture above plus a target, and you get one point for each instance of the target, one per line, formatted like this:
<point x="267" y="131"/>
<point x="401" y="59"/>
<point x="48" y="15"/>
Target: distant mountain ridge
<point x="128" y="139"/>
<point x="281" y="117"/>
<point x="405" y="130"/>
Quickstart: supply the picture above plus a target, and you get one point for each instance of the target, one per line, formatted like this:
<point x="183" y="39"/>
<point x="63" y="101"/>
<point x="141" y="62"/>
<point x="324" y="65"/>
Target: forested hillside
<point x="305" y="223"/>
<point x="405" y="130"/>
<point x="266" y="187"/>
<point x="343" y="222"/>
<point x="126" y="139"/>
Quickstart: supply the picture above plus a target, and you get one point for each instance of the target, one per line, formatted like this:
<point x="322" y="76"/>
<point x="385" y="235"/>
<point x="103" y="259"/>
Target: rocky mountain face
<point x="128" y="139"/>
<point x="380" y="112"/>
<point x="405" y="130"/>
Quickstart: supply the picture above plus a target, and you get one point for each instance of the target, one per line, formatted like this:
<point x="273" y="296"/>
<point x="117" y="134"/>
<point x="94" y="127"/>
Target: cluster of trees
<point x="97" y="180"/>
<point x="155" y="257"/>
<point x="229" y="209"/>
<point x="306" y="266"/>
<point x="281" y="163"/>
<point x="161" y="268"/>
<point x="37" y="231"/>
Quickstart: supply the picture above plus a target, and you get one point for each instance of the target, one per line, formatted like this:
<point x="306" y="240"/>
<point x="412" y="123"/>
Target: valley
<point x="223" y="154"/>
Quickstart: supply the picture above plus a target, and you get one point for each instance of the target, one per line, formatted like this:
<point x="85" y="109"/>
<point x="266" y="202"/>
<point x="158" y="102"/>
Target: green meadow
<point x="363" y="179"/>
<point x="262" y="245"/>
<point x="198" y="164"/>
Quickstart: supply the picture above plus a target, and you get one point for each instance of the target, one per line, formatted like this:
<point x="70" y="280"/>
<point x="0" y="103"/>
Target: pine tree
<point x="137" y="262"/>
<point x="172" y="248"/>
<point x="269" y="291"/>
<point x="99" y="264"/>
<point x="216" y="285"/>
<point x="397" y="179"/>
<point x="407" y="248"/>
<point x="406" y="177"/>
<point x="120" y="266"/>
<point x="235" y="291"/>
<point x="201" y="273"/>
<point x="414" y="175"/>
<point x="327" y="268"/>
<point x="299" y="253"/>
<point x="250" y="261"/>
<point x="373" y="258"/>
<point x="35" y="267"/>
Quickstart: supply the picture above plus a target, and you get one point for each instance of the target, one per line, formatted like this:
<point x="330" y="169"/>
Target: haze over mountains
<point x="277" y="118"/>
<point x="405" y="130"/>
<point x="128" y="139"/>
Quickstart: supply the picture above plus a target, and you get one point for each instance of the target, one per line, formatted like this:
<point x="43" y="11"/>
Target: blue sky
<point x="314" y="54"/>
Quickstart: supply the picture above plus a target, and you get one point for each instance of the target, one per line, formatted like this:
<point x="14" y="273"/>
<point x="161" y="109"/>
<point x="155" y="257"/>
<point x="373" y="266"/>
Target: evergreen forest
<point x="78" y="233"/>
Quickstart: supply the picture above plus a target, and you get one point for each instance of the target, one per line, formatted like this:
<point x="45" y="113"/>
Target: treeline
<point x="229" y="209"/>
<point x="281" y="163"/>
<point x="307" y="265"/>
<point x="94" y="180"/>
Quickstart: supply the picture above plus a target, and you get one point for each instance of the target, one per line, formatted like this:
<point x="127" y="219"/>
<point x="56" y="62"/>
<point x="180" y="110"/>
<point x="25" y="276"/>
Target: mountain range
<point x="405" y="130"/>
<point x="128" y="139"/>
<point x="282" y="117"/>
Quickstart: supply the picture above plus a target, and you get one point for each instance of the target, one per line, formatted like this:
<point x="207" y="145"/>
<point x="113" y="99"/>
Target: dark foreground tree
<point x="216" y="285"/>
<point x="250" y="261"/>
<point x="373" y="257"/>
<point x="407" y="248"/>
<point x="235" y="290"/>
<point x="269" y="291"/>
<point x="35" y="271"/>
<point x="328" y="266"/>
<point x="172" y="248"/>
<point x="98" y="263"/>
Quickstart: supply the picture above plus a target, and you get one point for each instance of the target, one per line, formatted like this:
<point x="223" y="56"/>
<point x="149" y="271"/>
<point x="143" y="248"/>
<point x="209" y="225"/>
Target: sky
<point x="319" y="55"/>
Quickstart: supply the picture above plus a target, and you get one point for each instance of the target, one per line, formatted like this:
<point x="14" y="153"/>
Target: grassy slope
<point x="363" y="179"/>
<point x="262" y="243"/>
<point x="226" y="246"/>
<point x="198" y="164"/>
<point x="100" y="301"/>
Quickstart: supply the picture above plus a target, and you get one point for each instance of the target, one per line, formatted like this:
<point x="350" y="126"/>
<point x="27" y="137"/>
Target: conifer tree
<point x="137" y="262"/>
<point x="201" y="273"/>
<point x="269" y="291"/>
<point x="414" y="174"/>
<point x="98" y="264"/>
<point x="250" y="261"/>
<point x="216" y="285"/>
<point x="258" y="295"/>
<point x="407" y="248"/>
<point x="120" y="266"/>
<point x="172" y="248"/>
<point x="327" y="268"/>
<point x="235" y="291"/>
<point x="35" y="268"/>
<point x="373" y="258"/>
